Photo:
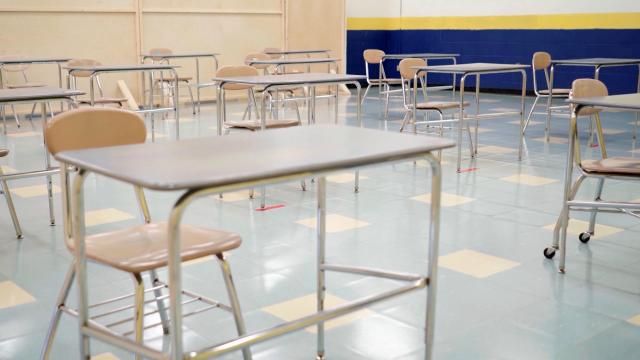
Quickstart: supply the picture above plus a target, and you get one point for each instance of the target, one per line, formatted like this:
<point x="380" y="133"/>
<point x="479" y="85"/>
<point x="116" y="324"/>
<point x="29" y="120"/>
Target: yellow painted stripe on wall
<point x="559" y="21"/>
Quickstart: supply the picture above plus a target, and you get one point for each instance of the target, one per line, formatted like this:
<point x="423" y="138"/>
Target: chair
<point x="101" y="100"/>
<point x="542" y="61"/>
<point x="20" y="69"/>
<point x="376" y="57"/>
<point x="614" y="168"/>
<point x="137" y="249"/>
<point x="7" y="195"/>
<point x="407" y="76"/>
<point x="244" y="70"/>
<point x="158" y="56"/>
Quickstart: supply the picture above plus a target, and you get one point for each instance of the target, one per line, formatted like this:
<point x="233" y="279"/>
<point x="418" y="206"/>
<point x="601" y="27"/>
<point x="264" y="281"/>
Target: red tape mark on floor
<point x="594" y="145"/>
<point x="467" y="170"/>
<point x="270" y="207"/>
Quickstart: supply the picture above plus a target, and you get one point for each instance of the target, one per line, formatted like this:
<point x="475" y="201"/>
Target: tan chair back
<point x="586" y="88"/>
<point x="272" y="49"/>
<point x="83" y="62"/>
<point x="158" y="53"/>
<point x="373" y="56"/>
<point x="257" y="56"/>
<point x="541" y="60"/>
<point x="406" y="67"/>
<point x="93" y="128"/>
<point x="239" y="70"/>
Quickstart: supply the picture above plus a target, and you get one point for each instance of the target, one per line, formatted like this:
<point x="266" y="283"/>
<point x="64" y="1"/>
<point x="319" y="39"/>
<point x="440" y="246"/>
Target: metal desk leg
<point x="151" y="107"/>
<point x="47" y="161"/>
<point x="522" y="103"/>
<point x="635" y="128"/>
<point x="60" y="84"/>
<point x="567" y="188"/>
<point x="453" y="85"/>
<point x="475" y="147"/>
<point x="321" y="217"/>
<point x="337" y="103"/>
<point x="461" y="121"/>
<point x="175" y="277"/>
<point x="549" y="98"/>
<point x="81" y="263"/>
<point x="359" y="116"/>
<point x="198" y="82"/>
<point x="176" y="102"/>
<point x="434" y="235"/>
<point x="219" y="108"/>
<point x="263" y="127"/>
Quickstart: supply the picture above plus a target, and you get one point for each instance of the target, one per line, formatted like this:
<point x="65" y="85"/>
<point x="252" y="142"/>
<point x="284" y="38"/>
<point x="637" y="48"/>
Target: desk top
<point x="268" y="156"/>
<point x="300" y="51"/>
<point x="420" y="56"/>
<point x="36" y="93"/>
<point x="626" y="101"/>
<point x="596" y="61"/>
<point x="294" y="61"/>
<point x="291" y="79"/>
<point x="182" y="55"/>
<point x="473" y="68"/>
<point x="116" y="68"/>
<point x="6" y="60"/>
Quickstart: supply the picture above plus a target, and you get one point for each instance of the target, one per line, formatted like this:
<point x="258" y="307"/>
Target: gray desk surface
<point x="595" y="61"/>
<point x="181" y="55"/>
<point x="420" y="56"/>
<point x="36" y="93"/>
<point x="291" y="79"/>
<point x="473" y="68"/>
<point x="295" y="61"/>
<point x="227" y="160"/>
<point x="626" y="101"/>
<point x="116" y="68"/>
<point x="6" y="60"/>
<point x="292" y="52"/>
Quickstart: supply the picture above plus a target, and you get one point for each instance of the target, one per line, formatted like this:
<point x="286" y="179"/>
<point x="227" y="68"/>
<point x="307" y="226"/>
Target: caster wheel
<point x="584" y="237"/>
<point x="549" y="252"/>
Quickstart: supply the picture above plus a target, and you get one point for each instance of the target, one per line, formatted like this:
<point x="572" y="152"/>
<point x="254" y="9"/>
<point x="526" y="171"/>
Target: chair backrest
<point x="238" y="70"/>
<point x="406" y="67"/>
<point x="83" y="62"/>
<point x="158" y="53"/>
<point x="272" y="49"/>
<point x="93" y="128"/>
<point x="541" y="60"/>
<point x="373" y="56"/>
<point x="257" y="56"/>
<point x="4" y="152"/>
<point x="585" y="88"/>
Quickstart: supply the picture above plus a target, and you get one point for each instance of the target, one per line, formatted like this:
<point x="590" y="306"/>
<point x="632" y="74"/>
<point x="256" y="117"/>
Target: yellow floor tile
<point x="24" y="134"/>
<point x="530" y="180"/>
<point x="335" y="223"/>
<point x="553" y="140"/>
<point x="32" y="191"/>
<point x="576" y="227"/>
<point x="105" y="356"/>
<point x="7" y="169"/>
<point x="490" y="149"/>
<point x="106" y="216"/>
<point x="306" y="305"/>
<point x="343" y="178"/>
<point x="446" y="199"/>
<point x="634" y="320"/>
<point x="12" y="295"/>
<point x="475" y="263"/>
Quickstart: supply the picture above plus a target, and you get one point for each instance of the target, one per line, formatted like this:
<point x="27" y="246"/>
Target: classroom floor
<point x="498" y="297"/>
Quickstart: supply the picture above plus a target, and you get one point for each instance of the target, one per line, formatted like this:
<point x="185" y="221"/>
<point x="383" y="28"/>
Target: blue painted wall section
<point x="507" y="46"/>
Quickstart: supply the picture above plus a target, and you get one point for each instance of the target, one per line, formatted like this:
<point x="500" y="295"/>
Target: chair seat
<point x="440" y="105"/>
<point x="144" y="247"/>
<point x="4" y="152"/>
<point x="257" y="124"/>
<point x="25" y="85"/>
<point x="558" y="92"/>
<point x="613" y="165"/>
<point x="180" y="78"/>
<point x="104" y="100"/>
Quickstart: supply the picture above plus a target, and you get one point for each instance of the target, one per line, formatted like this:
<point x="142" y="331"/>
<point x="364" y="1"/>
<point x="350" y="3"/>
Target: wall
<point x="118" y="31"/>
<point x="501" y="31"/>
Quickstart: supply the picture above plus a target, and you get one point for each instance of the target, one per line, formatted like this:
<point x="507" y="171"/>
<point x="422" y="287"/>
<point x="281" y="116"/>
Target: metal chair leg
<point x="12" y="209"/>
<point x="233" y="299"/>
<point x="594" y="213"/>
<point x="55" y="318"/>
<point x="15" y="115"/>
<point x="365" y="93"/>
<point x="526" y="123"/>
<point x="162" y="309"/>
<point x="193" y="104"/>
<point x="139" y="310"/>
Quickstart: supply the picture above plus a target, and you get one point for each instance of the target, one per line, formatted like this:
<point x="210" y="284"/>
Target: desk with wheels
<point x="626" y="170"/>
<point x="42" y="95"/>
<point x="190" y="166"/>
<point x="477" y="70"/>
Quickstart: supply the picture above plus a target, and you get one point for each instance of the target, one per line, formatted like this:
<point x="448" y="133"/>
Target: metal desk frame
<point x="34" y="60"/>
<point x="597" y="64"/>
<point x="89" y="328"/>
<point x="196" y="56"/>
<point x="141" y="68"/>
<point x="629" y="102"/>
<point x="427" y="57"/>
<point x="307" y="52"/>
<point x="477" y="69"/>
<point x="42" y="95"/>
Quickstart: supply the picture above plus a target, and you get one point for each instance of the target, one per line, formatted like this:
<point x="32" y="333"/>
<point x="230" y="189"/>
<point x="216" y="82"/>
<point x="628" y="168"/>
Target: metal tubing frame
<point x="89" y="329"/>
